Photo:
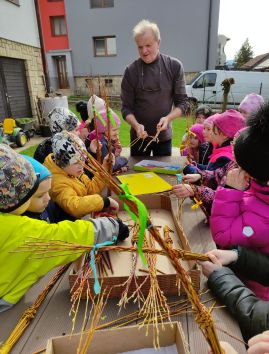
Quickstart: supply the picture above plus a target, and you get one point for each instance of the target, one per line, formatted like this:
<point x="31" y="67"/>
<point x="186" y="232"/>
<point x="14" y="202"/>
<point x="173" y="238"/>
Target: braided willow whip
<point x="202" y="314"/>
<point x="29" y="314"/>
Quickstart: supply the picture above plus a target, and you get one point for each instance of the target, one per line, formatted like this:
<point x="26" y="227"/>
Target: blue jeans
<point x="163" y="148"/>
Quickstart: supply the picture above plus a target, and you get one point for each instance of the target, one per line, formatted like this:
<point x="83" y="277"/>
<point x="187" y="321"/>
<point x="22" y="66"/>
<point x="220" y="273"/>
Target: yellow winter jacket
<point x="18" y="272"/>
<point x="77" y="196"/>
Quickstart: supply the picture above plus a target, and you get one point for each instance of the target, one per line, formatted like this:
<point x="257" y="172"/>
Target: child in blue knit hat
<point x="41" y="206"/>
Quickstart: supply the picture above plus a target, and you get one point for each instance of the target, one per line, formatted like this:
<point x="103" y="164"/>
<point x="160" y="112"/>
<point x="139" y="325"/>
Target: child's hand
<point x="124" y="169"/>
<point x="106" y="163"/>
<point x="114" y="205"/>
<point x="209" y="267"/>
<point x="183" y="190"/>
<point x="192" y="178"/>
<point x="94" y="144"/>
<point x="259" y="344"/>
<point x="225" y="257"/>
<point x="238" y="179"/>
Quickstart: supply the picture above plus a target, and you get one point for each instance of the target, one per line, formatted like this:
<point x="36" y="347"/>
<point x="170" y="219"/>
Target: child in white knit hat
<point x="18" y="183"/>
<point x="59" y="119"/>
<point x="72" y="189"/>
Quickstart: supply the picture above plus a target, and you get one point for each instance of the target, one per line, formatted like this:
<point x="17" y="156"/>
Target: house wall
<point x="183" y="25"/>
<point x="19" y="39"/>
<point x="48" y="9"/>
<point x="185" y="34"/>
<point x="18" y="23"/>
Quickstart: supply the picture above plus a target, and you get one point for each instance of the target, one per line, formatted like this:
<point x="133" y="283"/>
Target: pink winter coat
<point x="242" y="218"/>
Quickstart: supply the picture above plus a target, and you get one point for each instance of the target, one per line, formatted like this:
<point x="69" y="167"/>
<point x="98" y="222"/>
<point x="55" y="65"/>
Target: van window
<point x="192" y="79"/>
<point x="206" y="80"/>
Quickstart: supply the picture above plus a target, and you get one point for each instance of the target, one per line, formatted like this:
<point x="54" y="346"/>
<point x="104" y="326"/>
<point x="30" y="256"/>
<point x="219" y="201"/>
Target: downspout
<point x="208" y="35"/>
<point x="42" y="48"/>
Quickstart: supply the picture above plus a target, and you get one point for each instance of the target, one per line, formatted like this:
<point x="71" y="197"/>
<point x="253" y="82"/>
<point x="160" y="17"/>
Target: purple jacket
<point x="242" y="218"/>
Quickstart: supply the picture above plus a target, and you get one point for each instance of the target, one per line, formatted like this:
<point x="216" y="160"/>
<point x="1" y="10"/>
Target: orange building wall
<point x="46" y="10"/>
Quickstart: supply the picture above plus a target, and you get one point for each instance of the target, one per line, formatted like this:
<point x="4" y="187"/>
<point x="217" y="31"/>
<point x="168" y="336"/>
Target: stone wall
<point x="33" y="66"/>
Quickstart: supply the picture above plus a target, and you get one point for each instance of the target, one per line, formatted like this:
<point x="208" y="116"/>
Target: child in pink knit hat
<point x="250" y="104"/>
<point x="102" y="127"/>
<point x="194" y="140"/>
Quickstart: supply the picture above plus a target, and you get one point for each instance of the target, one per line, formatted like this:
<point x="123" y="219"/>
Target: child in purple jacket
<point x="240" y="211"/>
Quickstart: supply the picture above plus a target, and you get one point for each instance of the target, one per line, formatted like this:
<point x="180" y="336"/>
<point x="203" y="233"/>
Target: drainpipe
<point x="208" y="35"/>
<point x="43" y="54"/>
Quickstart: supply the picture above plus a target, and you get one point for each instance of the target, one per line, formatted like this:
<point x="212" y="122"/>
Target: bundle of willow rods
<point x="202" y="314"/>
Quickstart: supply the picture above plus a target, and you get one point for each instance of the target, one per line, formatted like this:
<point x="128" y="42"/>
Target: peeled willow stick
<point x="202" y="314"/>
<point x="29" y="314"/>
<point x="42" y="248"/>
<point x="98" y="149"/>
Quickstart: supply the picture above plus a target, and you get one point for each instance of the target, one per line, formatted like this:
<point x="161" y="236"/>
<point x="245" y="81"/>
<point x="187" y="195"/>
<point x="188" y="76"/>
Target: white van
<point x="206" y="86"/>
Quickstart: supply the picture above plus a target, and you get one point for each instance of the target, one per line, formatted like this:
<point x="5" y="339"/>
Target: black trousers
<point x="163" y="148"/>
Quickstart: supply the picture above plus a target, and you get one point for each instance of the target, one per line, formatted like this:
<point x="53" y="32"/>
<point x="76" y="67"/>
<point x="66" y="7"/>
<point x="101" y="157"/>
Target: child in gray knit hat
<point x="18" y="182"/>
<point x="72" y="189"/>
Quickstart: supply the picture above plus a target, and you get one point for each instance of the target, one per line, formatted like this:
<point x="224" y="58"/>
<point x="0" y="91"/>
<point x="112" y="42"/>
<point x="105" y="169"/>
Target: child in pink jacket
<point x="240" y="211"/>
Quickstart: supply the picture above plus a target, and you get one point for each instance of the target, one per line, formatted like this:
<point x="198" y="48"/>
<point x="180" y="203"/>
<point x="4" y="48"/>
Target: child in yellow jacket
<point x="72" y="189"/>
<point x="18" y="184"/>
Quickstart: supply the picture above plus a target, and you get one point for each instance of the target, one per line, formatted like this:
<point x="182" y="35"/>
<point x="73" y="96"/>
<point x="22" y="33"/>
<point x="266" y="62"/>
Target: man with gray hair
<point x="152" y="92"/>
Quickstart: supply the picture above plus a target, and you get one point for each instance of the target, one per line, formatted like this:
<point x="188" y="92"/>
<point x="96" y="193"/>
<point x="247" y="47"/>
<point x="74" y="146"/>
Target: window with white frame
<point x="105" y="46"/>
<point x="58" y="27"/>
<point x="94" y="4"/>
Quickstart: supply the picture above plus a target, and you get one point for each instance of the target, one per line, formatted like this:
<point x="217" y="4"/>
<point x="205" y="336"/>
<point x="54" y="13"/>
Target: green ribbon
<point x="112" y="120"/>
<point x="142" y="215"/>
<point x="99" y="116"/>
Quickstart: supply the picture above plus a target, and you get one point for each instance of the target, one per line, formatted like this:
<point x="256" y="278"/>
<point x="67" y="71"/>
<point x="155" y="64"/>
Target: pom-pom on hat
<point x="251" y="103"/>
<point x="197" y="130"/>
<point x="67" y="149"/>
<point x="18" y="181"/>
<point x="229" y="122"/>
<point x="98" y="103"/>
<point x="40" y="169"/>
<point x="251" y="147"/>
<point x="60" y="119"/>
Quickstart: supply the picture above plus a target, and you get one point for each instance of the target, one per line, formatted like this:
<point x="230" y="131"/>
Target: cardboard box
<point x="119" y="340"/>
<point x="162" y="212"/>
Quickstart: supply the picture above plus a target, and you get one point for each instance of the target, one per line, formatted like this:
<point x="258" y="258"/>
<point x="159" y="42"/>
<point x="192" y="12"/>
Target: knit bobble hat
<point x="251" y="103"/>
<point x="229" y="122"/>
<point x="67" y="149"/>
<point x="197" y="130"/>
<point x="18" y="181"/>
<point x="209" y="121"/>
<point x="251" y="148"/>
<point x="98" y="103"/>
<point x="60" y="119"/>
<point x="40" y="169"/>
<point x="81" y="107"/>
<point x="205" y="110"/>
<point x="103" y="127"/>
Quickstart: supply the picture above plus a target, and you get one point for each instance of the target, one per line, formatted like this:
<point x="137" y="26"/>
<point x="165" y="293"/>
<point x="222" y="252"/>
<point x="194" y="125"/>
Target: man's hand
<point x="163" y="124"/>
<point x="183" y="190"/>
<point x="238" y="179"/>
<point x="140" y="131"/>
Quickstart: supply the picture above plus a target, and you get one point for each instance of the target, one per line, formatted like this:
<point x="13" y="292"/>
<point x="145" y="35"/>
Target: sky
<point x="241" y="19"/>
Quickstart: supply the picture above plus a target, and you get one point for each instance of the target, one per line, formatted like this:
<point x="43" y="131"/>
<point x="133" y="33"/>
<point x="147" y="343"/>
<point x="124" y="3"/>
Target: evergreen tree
<point x="244" y="54"/>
